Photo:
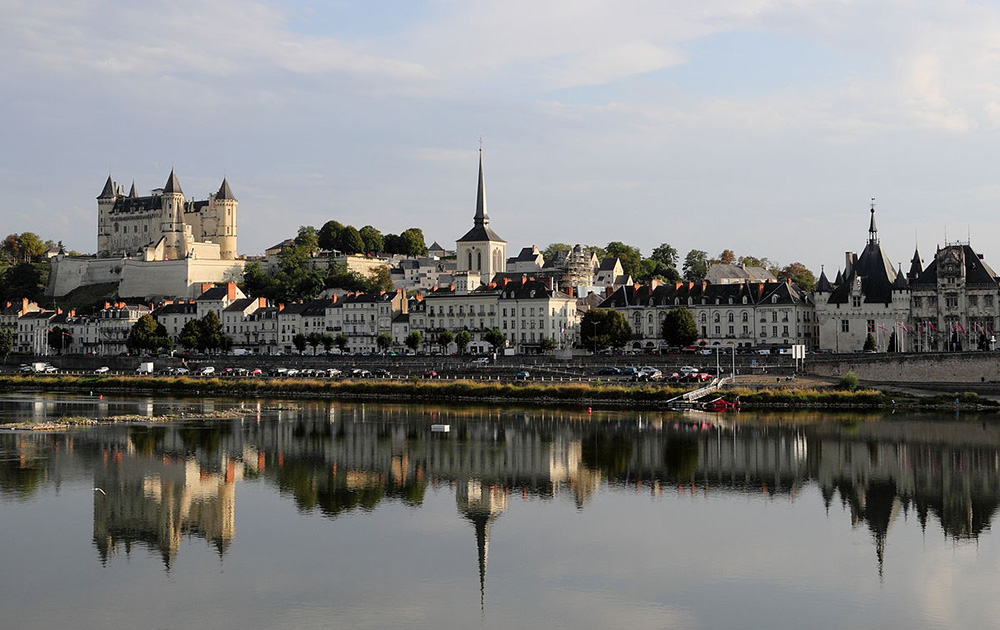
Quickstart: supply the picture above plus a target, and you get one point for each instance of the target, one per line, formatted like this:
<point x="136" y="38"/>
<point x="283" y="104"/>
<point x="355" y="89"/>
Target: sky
<point x="761" y="126"/>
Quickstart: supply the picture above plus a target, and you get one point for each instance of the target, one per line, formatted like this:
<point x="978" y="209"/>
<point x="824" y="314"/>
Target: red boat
<point x="720" y="404"/>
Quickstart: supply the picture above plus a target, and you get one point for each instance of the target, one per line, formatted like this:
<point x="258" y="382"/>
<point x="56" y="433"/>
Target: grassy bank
<point x="478" y="391"/>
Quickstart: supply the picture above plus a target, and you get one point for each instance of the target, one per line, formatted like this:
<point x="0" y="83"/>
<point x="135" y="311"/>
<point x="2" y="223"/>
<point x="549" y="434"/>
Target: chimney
<point x="281" y="307"/>
<point x="24" y="305"/>
<point x="678" y="285"/>
<point x="72" y="312"/>
<point x="262" y="302"/>
<point x="231" y="291"/>
<point x="58" y="311"/>
<point x="654" y="283"/>
<point x="205" y="286"/>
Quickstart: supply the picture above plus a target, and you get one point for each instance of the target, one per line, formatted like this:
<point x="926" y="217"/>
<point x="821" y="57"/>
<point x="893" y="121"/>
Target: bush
<point x="849" y="381"/>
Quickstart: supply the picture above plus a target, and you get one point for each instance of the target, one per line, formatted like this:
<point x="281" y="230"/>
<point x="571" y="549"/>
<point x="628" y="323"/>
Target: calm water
<point x="333" y="515"/>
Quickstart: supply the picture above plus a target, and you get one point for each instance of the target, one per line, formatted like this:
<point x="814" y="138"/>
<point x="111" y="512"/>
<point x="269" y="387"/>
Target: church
<point x="481" y="251"/>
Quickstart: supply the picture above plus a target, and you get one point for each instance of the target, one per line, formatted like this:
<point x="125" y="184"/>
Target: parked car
<point x="609" y="371"/>
<point x="523" y="375"/>
<point x="102" y="370"/>
<point x="381" y="373"/>
<point x="481" y="361"/>
<point x="207" y="370"/>
<point x="431" y="374"/>
<point x="687" y="369"/>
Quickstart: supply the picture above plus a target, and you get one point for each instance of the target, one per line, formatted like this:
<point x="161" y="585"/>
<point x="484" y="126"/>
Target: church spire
<point x="872" y="230"/>
<point x="481" y="217"/>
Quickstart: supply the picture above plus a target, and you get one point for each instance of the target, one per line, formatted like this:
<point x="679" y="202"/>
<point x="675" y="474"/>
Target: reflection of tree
<point x="147" y="439"/>
<point x="314" y="485"/>
<point x="20" y="477"/>
<point x="207" y="439"/>
<point x="609" y="453"/>
<point x="681" y="457"/>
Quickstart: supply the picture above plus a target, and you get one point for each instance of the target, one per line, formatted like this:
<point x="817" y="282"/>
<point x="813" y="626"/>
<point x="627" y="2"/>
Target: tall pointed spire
<point x="225" y="192"/>
<point x="872" y="230"/>
<point x="109" y="189"/>
<point x="172" y="185"/>
<point x="916" y="265"/>
<point x="481" y="217"/>
<point x="131" y="192"/>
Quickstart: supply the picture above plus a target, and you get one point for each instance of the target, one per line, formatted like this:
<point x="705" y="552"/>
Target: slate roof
<point x="481" y="229"/>
<point x="705" y="293"/>
<point x="608" y="264"/>
<point x="225" y="192"/>
<point x="977" y="271"/>
<point x="172" y="185"/>
<point x="873" y="268"/>
<point x="109" y="190"/>
<point x="823" y="285"/>
<point x="240" y="304"/>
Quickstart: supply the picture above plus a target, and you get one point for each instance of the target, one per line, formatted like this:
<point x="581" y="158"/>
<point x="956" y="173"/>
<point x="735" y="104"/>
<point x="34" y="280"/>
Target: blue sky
<point x="762" y="126"/>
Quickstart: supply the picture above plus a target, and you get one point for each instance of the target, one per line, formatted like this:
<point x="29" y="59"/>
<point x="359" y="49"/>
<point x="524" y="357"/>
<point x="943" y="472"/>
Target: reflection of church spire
<point x="481" y="505"/>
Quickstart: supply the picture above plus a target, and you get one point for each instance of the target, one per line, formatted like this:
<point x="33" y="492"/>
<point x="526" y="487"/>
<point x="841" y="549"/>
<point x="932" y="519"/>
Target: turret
<point x="173" y="219"/>
<point x="105" y="203"/>
<point x="223" y="210"/>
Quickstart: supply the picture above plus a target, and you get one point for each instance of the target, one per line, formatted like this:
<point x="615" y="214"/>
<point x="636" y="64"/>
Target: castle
<point x="164" y="225"/>
<point x="161" y="244"/>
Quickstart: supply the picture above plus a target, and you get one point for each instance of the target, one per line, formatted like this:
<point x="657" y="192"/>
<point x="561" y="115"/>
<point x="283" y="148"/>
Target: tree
<point x="190" y="335"/>
<point x="307" y="238"/>
<point x="413" y="340"/>
<point x="392" y="244"/>
<point x="25" y="247"/>
<point x="652" y="268"/>
<point x="59" y="338"/>
<point x="603" y="328"/>
<point x="146" y="334"/>
<point x="665" y="254"/>
<point x="6" y="342"/>
<point x="204" y="334"/>
<point x="341" y="341"/>
<point x="463" y="339"/>
<point x="314" y="339"/>
<point x="495" y="338"/>
<point x="374" y="243"/>
<point x="870" y="344"/>
<point x="255" y="283"/>
<point x="351" y="241"/>
<point x="383" y="341"/>
<point x="799" y="275"/>
<point x="630" y="256"/>
<point x="552" y="250"/>
<point x="548" y="344"/>
<point x="329" y="235"/>
<point x="696" y="265"/>
<point x="327" y="341"/>
<point x="891" y="347"/>
<point x="300" y="341"/>
<point x="24" y="280"/>
<point x="378" y="280"/>
<point x="413" y="242"/>
<point x="444" y="339"/>
<point x="727" y="257"/>
<point x="679" y="327"/>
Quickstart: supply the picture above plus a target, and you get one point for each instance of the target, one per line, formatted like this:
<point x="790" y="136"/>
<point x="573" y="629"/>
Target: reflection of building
<point x="156" y="501"/>
<point x="481" y="504"/>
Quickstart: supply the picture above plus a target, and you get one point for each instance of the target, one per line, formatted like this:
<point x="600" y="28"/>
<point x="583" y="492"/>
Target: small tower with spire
<point x="872" y="230"/>
<point x="481" y="249"/>
<point x="173" y="219"/>
<point x="219" y="221"/>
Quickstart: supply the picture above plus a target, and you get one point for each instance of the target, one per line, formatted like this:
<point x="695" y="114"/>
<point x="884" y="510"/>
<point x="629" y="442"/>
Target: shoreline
<point x="602" y="395"/>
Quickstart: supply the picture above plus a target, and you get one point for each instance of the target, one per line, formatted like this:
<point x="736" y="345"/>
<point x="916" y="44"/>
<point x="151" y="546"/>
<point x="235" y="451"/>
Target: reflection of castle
<point x="157" y="501"/>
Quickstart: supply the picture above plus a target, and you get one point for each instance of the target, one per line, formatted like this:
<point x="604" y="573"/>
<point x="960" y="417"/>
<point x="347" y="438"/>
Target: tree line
<point x="662" y="263"/>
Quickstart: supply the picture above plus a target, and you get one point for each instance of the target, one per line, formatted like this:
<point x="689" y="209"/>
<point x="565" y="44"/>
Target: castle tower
<point x="481" y="249"/>
<point x="173" y="219"/>
<point x="222" y="209"/>
<point x="105" y="202"/>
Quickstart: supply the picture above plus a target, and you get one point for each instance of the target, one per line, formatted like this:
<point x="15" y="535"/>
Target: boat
<point x="440" y="428"/>
<point x="721" y="404"/>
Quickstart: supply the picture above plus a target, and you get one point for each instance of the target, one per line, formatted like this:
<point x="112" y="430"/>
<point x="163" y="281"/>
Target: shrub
<point x="849" y="381"/>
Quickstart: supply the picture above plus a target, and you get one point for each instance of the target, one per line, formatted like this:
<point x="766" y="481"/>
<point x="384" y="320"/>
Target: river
<point x="340" y="515"/>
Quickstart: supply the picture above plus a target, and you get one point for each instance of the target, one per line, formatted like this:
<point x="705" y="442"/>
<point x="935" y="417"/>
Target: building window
<point x="987" y="300"/>
<point x="731" y="317"/>
<point x="951" y="301"/>
<point x="918" y="302"/>
<point x="973" y="300"/>
<point x="746" y="316"/>
<point x="856" y="301"/>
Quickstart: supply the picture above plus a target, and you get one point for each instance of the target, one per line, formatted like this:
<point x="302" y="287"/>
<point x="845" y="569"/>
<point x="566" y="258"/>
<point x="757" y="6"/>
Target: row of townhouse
<point x="742" y="315"/>
<point x="103" y="332"/>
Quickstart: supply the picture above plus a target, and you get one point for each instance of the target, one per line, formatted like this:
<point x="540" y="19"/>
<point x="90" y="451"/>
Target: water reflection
<point x="161" y="483"/>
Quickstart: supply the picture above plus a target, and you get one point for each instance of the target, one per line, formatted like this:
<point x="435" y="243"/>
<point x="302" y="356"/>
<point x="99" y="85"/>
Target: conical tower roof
<point x="131" y="192"/>
<point x="225" y="192"/>
<point x="823" y="285"/>
<point x="109" y="189"/>
<point x="172" y="186"/>
<point x="916" y="265"/>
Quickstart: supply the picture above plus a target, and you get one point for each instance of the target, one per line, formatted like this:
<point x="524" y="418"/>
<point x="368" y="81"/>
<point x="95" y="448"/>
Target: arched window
<point x="746" y="316"/>
<point x="470" y="261"/>
<point x="717" y="318"/>
<point x="479" y="261"/>
<point x="704" y="318"/>
<point x="731" y="317"/>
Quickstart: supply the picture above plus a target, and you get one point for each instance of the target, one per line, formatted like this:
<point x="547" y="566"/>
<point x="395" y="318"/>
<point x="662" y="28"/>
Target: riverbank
<point x="781" y="394"/>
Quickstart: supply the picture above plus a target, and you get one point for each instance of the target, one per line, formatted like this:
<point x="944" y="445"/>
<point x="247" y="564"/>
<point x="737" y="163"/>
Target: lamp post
<point x="595" y="338"/>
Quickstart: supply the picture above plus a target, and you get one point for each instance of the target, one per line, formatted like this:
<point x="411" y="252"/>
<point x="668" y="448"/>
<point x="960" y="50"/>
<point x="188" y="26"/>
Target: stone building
<point x="481" y="249"/>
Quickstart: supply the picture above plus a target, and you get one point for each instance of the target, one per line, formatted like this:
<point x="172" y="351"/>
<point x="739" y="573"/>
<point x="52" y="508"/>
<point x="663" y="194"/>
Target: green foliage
<point x="6" y="342"/>
<point x="148" y="335"/>
<point x="849" y="381"/>
<point x="374" y="243"/>
<point x="327" y="340"/>
<point x="679" y="327"/>
<point x="602" y="328"/>
<point x="24" y="280"/>
<point x="630" y="256"/>
<point x="550" y="252"/>
<point x="314" y="339"/>
<point x="205" y="334"/>
<point x="300" y="341"/>
<point x="463" y="339"/>
<point x="341" y="341"/>
<point x="350" y="241"/>
<point x="696" y="265"/>
<point x="329" y="235"/>
<point x="870" y="344"/>
<point x="548" y="344"/>
<point x="799" y="275"/>
<point x="383" y="341"/>
<point x="444" y="339"/>
<point x="23" y="248"/>
<point x="412" y="241"/>
<point x="727" y="257"/>
<point x="413" y="340"/>
<point x="891" y="347"/>
<point x="59" y="338"/>
<point x="665" y="254"/>
<point x="495" y="338"/>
